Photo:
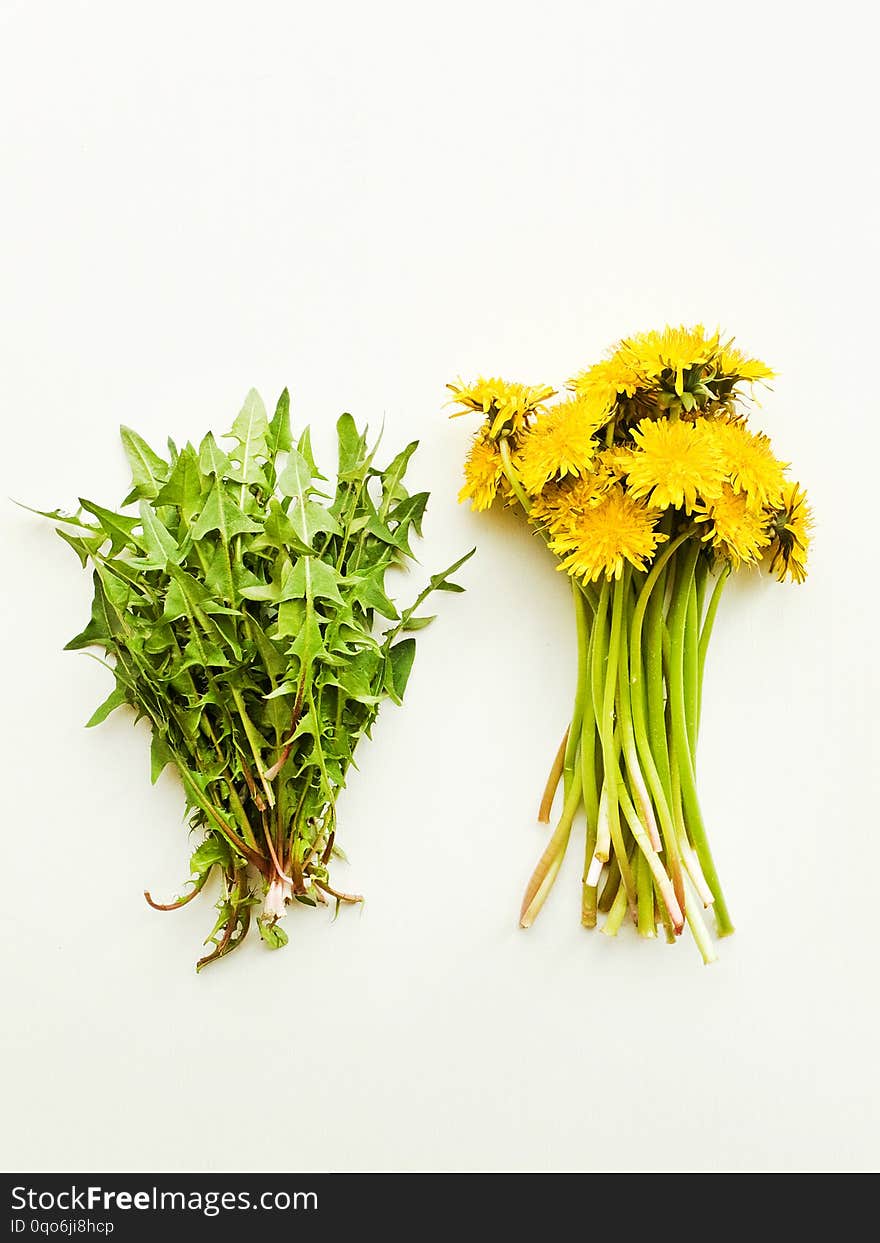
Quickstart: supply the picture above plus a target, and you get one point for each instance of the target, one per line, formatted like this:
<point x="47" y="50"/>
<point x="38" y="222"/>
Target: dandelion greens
<point x="244" y="609"/>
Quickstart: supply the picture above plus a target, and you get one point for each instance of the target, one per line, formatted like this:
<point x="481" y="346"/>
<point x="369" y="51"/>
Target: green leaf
<point x="100" y="629"/>
<point x="279" y="438"/>
<point x="313" y="579"/>
<point x="279" y="532"/>
<point x="83" y="547"/>
<point x="113" y="701"/>
<point x="119" y="528"/>
<point x="213" y="852"/>
<point x="185" y="485"/>
<point x="308" y="644"/>
<point x="440" y="582"/>
<point x="393" y="474"/>
<point x="352" y="447"/>
<point x="148" y="470"/>
<point x="291" y="615"/>
<point x="250" y="429"/>
<point x="160" y="544"/>
<point x="368" y="590"/>
<point x="307" y="517"/>
<point x="161" y="756"/>
<point x="272" y="933"/>
<point x="399" y="667"/>
<point x="185" y="596"/>
<point x="304" y="449"/>
<point x="212" y="459"/>
<point x="418" y="623"/>
<point x="222" y="514"/>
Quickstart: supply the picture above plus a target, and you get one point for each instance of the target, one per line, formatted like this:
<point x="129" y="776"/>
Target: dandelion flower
<point x="734" y="365"/>
<point x="674" y="463"/>
<point x="790" y="528"/>
<point x="559" y="443"/>
<point x="736" y="531"/>
<point x="482" y="473"/>
<point x="749" y="463"/>
<point x="603" y="385"/>
<point x="599" y="538"/>
<point x="673" y="349"/>
<point x="508" y="408"/>
<point x="616" y="460"/>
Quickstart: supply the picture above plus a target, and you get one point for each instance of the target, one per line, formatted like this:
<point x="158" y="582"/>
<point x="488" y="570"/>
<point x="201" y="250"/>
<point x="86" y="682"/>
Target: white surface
<point x="364" y="201"/>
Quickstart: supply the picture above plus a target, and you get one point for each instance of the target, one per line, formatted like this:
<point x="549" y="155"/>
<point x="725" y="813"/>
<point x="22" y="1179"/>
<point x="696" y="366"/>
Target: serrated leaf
<point x="399" y="667"/>
<point x="212" y="459"/>
<point x="83" y="547"/>
<point x="279" y="438"/>
<point x="249" y="429"/>
<point x="113" y="701"/>
<point x="369" y="592"/>
<point x="119" y="528"/>
<point x="306" y="516"/>
<point x="418" y="623"/>
<point x="392" y="476"/>
<point x="100" y="629"/>
<point x="272" y="933"/>
<point x="184" y="486"/>
<point x="160" y="544"/>
<point x="148" y="470"/>
<point x="161" y="756"/>
<point x="222" y="514"/>
<point x="308" y="644"/>
<point x="312" y="579"/>
<point x="304" y="449"/>
<point x="279" y="532"/>
<point x="213" y="852"/>
<point x="352" y="447"/>
<point x="290" y="619"/>
<point x="440" y="582"/>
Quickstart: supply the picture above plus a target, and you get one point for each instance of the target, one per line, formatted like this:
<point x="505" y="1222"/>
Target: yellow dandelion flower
<point x="749" y="463"/>
<point x="616" y="461"/>
<point x="559" y="443"/>
<point x="737" y="531"/>
<point x="674" y="463"/>
<point x="790" y="528"/>
<point x="733" y="364"/>
<point x="559" y="502"/>
<point x="599" y="538"/>
<point x="483" y="473"/>
<point x="508" y="408"/>
<point x="600" y="387"/>
<point x="673" y="349"/>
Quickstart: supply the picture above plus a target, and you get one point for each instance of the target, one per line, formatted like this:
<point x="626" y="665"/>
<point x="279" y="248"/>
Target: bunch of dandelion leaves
<point x="245" y="613"/>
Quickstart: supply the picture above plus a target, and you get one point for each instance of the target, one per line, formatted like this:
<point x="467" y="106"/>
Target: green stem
<point x="511" y="476"/>
<point x="645" y="886"/>
<point x="589" y="896"/>
<point x="541" y="881"/>
<point x="577" y="715"/>
<point x="680" y="738"/>
<point x="655" y="867"/>
<point x="649" y="718"/>
<point x="616" y="914"/>
<point x="706" y="634"/>
<point x="639" y="789"/>
<point x="691" y="667"/>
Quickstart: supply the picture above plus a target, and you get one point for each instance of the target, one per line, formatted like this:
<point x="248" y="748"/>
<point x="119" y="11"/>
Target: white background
<point x="363" y="201"/>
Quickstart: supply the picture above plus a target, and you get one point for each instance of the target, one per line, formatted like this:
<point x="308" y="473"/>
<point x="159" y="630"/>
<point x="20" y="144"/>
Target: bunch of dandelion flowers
<point x="649" y="488"/>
